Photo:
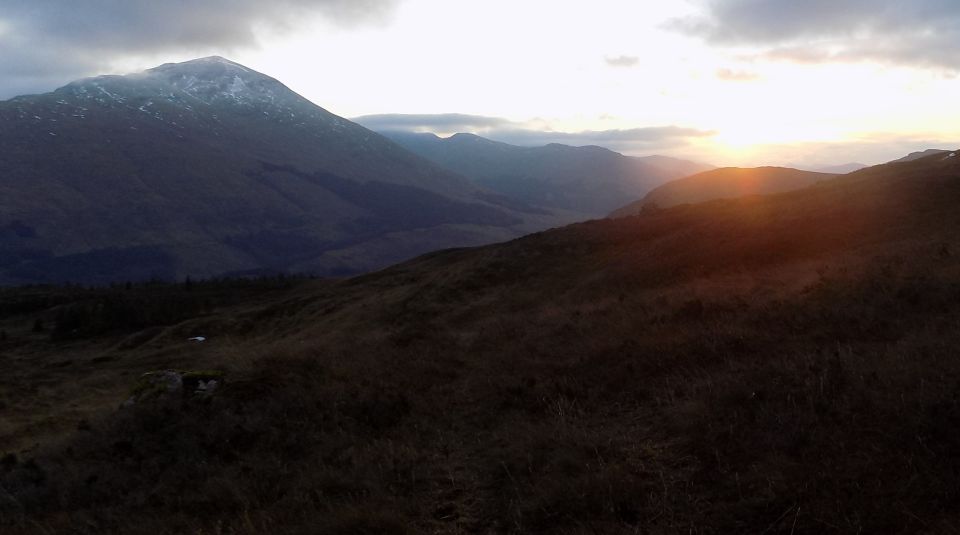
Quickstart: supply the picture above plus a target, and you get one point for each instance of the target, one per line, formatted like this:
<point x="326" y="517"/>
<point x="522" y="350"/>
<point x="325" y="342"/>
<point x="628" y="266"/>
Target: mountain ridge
<point x="919" y="154"/>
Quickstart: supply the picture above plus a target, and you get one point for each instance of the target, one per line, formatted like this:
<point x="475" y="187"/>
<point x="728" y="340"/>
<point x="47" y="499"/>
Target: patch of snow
<point x="109" y="94"/>
<point x="237" y="88"/>
<point x="189" y="82"/>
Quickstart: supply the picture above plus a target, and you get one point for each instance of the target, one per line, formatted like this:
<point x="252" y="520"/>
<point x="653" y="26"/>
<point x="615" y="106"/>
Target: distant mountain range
<point x="841" y="169"/>
<point x="207" y="167"/>
<point x="585" y="181"/>
<point x="727" y="182"/>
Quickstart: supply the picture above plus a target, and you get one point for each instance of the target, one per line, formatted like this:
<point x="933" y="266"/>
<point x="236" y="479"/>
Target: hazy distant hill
<point x="727" y="182"/>
<point x="589" y="180"/>
<point x="207" y="167"/>
<point x="841" y="169"/>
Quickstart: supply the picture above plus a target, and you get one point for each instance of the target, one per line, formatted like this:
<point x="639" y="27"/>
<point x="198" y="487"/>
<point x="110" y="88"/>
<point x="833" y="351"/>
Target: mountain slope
<point x="727" y="182"/>
<point x="208" y="167"/>
<point x="590" y="180"/>
<point x="739" y="366"/>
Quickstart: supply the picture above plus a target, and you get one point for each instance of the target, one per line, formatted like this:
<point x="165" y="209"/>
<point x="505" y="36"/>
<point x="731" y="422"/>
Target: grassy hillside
<point x="724" y="183"/>
<point x="780" y="364"/>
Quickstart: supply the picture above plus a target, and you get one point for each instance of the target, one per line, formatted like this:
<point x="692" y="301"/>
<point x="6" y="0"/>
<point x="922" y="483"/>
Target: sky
<point x="728" y="82"/>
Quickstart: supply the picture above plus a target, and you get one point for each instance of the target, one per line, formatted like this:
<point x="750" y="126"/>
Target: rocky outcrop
<point x="172" y="384"/>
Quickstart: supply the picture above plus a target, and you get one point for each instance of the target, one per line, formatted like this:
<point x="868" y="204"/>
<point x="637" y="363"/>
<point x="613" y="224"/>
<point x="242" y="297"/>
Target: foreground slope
<point x="724" y="183"/>
<point x="776" y="364"/>
<point x="587" y="181"/>
<point x="206" y="167"/>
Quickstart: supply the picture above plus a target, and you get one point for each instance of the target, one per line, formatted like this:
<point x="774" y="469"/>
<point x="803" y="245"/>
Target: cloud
<point x="622" y="61"/>
<point x="796" y="54"/>
<point x="65" y="39"/>
<point x="442" y="122"/>
<point x="628" y="140"/>
<point x="632" y="140"/>
<point x="729" y="75"/>
<point x="919" y="33"/>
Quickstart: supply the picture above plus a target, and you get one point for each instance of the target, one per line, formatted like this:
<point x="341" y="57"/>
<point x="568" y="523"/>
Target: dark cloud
<point x="65" y="39"/>
<point x="622" y="61"/>
<point x="442" y="122"/>
<point x="633" y="140"/>
<point x="922" y="33"/>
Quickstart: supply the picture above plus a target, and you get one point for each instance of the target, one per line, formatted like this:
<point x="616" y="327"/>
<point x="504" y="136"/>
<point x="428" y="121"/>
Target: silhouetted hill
<point x="766" y="364"/>
<point x="724" y="183"/>
<point x="589" y="181"/>
<point x="207" y="167"/>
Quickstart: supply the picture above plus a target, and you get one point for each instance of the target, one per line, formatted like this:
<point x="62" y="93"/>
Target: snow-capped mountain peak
<point x="217" y="79"/>
<point x="212" y="80"/>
